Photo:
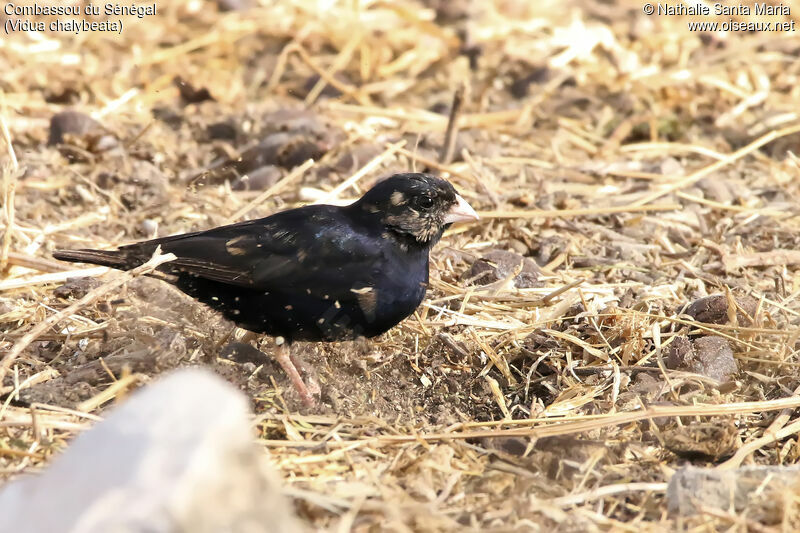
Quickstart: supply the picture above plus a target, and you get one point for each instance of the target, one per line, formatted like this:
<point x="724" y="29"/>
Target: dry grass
<point x="641" y="165"/>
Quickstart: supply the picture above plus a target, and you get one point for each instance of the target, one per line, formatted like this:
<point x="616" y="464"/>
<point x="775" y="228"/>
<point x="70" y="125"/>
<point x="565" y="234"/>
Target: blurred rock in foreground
<point x="753" y="490"/>
<point x="178" y="456"/>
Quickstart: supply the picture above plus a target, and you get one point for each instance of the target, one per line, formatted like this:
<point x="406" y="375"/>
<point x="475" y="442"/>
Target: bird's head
<point x="416" y="205"/>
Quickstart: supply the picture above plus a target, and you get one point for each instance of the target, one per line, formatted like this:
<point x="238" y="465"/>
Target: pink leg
<point x="309" y="373"/>
<point x="285" y="360"/>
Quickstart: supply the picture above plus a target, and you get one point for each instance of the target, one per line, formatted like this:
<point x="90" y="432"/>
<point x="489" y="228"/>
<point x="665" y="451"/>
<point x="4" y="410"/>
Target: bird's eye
<point x="424" y="202"/>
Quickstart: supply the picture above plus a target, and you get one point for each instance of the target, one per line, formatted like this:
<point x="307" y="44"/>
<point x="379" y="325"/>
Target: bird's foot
<point x="312" y="383"/>
<point x="285" y="360"/>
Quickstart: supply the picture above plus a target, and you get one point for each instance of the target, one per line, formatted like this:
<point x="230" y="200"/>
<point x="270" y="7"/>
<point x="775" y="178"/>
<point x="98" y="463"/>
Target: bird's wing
<point x="313" y="250"/>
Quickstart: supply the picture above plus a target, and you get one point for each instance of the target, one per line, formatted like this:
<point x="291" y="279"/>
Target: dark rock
<point x="520" y="87"/>
<point x="76" y="287"/>
<point x="168" y="116"/>
<point x="714" y="309"/>
<point x="242" y="352"/>
<point x="709" y="356"/>
<point x="509" y="445"/>
<point x="226" y="131"/>
<point x="329" y="91"/>
<point x="500" y="264"/>
<point x="442" y="108"/>
<point x="279" y="149"/>
<point x="72" y="123"/>
<point x="646" y="384"/>
<point x="539" y="341"/>
<point x="62" y="96"/>
<point x="722" y="190"/>
<point x="680" y="353"/>
<point x="191" y="94"/>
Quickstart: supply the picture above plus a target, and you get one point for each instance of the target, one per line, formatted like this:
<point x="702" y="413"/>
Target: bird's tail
<point x="110" y="258"/>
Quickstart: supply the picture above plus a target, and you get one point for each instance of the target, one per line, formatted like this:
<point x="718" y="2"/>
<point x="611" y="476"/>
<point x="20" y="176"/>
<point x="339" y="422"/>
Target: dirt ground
<point x="564" y="363"/>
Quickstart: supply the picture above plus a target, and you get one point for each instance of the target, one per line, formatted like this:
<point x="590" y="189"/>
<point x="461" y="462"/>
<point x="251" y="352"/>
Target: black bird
<point x="315" y="273"/>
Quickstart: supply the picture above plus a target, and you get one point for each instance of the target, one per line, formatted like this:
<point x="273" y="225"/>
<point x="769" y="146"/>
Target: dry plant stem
<point x="438" y="166"/>
<point x="9" y="186"/>
<point x="608" y="490"/>
<point x="53" y="277"/>
<point x="112" y="391"/>
<point x="374" y="163"/>
<point x="338" y="63"/>
<point x="579" y="426"/>
<point x="35" y="263"/>
<point x="702" y="173"/>
<point x="449" y="146"/>
<point x="774" y="432"/>
<point x="90" y="297"/>
<point x="563" y="213"/>
<point x="349" y="90"/>
<point x="751" y="447"/>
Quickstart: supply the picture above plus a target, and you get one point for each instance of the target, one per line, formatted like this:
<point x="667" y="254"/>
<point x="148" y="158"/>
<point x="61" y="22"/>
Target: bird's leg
<point x="308" y="371"/>
<point x="285" y="360"/>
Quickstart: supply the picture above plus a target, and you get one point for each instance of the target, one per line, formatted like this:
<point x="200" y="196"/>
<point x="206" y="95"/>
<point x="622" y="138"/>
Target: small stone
<point x="710" y="356"/>
<point x="500" y="264"/>
<point x="73" y="123"/>
<point x="191" y="94"/>
<point x="714" y="358"/>
<point x="169" y="116"/>
<point x="279" y="149"/>
<point x="225" y="130"/>
<point x="539" y="342"/>
<point x="680" y="353"/>
<point x="242" y="352"/>
<point x="76" y="288"/>
<point x="646" y="385"/>
<point x="714" y="309"/>
<point x="692" y="490"/>
<point x="508" y="445"/>
<point x="722" y="190"/>
<point x="520" y="87"/>
<point x="518" y="246"/>
<point x="149" y="227"/>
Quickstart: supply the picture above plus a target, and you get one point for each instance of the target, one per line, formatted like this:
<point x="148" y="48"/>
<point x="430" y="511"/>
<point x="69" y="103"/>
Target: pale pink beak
<point x="461" y="212"/>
